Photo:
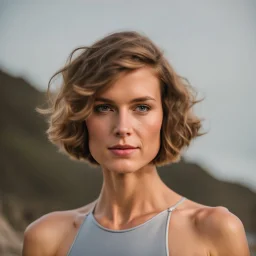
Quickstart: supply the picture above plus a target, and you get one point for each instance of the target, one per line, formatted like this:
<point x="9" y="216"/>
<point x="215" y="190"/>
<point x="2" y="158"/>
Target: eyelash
<point x="97" y="108"/>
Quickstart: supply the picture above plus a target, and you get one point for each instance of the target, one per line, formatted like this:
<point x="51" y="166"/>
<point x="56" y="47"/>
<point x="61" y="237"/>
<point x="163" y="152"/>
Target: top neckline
<point x="170" y="209"/>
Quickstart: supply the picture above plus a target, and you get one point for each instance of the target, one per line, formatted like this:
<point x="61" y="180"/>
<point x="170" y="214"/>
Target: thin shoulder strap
<point x="177" y="204"/>
<point x="79" y="230"/>
<point x="168" y="221"/>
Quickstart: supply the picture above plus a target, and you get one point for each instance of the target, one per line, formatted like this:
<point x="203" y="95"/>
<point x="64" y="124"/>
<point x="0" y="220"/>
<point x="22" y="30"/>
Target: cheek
<point x="97" y="135"/>
<point x="150" y="134"/>
<point x="154" y="125"/>
<point x="95" y="130"/>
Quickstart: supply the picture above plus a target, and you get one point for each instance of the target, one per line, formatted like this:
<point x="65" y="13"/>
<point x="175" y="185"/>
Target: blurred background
<point x="211" y="43"/>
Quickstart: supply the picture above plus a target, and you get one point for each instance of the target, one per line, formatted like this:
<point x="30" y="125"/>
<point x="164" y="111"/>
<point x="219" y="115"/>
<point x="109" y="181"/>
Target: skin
<point x="132" y="192"/>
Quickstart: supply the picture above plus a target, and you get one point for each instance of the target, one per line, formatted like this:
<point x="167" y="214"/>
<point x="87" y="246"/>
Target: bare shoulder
<point x="44" y="236"/>
<point x="223" y="231"/>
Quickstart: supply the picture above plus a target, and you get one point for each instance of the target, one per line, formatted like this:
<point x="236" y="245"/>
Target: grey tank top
<point x="147" y="239"/>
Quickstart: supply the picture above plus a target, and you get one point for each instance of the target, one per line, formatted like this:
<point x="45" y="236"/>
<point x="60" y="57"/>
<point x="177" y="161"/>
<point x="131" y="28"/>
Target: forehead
<point x="140" y="82"/>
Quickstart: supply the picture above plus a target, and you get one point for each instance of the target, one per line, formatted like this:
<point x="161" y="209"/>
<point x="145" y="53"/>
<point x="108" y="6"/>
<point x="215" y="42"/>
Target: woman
<point x="123" y="107"/>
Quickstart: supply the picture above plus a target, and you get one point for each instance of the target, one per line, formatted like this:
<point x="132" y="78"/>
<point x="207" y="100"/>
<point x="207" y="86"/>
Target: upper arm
<point x="41" y="237"/>
<point x="32" y="244"/>
<point x="226" y="233"/>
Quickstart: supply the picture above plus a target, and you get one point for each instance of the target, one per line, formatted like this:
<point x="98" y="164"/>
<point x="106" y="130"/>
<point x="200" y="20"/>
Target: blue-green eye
<point x="143" y="108"/>
<point x="101" y="108"/>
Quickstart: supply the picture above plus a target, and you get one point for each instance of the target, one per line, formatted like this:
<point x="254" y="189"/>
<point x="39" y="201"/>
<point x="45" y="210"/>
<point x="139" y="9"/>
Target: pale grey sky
<point x="212" y="43"/>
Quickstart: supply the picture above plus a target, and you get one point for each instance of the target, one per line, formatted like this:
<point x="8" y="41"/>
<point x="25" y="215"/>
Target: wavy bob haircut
<point x="96" y="68"/>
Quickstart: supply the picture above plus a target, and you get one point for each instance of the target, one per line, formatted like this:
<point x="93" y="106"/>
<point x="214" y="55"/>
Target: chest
<point x="178" y="237"/>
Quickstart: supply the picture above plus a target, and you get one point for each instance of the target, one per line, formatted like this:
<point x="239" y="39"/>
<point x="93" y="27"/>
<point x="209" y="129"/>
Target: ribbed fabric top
<point x="147" y="239"/>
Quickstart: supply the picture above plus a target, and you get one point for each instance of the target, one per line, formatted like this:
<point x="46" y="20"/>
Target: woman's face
<point x="127" y="113"/>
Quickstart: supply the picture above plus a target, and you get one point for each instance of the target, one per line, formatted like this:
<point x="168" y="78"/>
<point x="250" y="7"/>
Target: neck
<point x="125" y="196"/>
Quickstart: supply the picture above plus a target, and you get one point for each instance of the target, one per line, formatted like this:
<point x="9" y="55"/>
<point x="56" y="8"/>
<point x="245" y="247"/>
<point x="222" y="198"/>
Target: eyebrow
<point x="146" y="98"/>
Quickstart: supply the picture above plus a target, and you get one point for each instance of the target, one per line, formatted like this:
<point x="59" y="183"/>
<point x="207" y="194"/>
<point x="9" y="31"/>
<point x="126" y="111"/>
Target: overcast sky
<point x="211" y="43"/>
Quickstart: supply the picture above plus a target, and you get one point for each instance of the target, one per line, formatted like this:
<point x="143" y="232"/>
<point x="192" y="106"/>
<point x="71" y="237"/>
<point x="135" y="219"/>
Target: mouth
<point x="123" y="151"/>
<point x="119" y="146"/>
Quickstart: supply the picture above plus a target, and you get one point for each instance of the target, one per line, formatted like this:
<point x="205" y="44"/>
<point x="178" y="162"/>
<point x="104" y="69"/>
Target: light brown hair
<point x="99" y="66"/>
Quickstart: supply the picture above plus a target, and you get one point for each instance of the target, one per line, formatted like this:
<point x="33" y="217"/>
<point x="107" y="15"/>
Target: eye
<point x="143" y="108"/>
<point x="102" y="108"/>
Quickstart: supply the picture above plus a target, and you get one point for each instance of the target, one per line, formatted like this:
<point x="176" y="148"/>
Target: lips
<point x="123" y="150"/>
<point x="122" y="147"/>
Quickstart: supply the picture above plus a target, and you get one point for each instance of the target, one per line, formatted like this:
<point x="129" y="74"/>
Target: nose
<point x="123" y="126"/>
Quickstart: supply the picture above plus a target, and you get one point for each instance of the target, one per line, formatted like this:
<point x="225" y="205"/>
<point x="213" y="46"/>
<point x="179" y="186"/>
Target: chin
<point x="123" y="166"/>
